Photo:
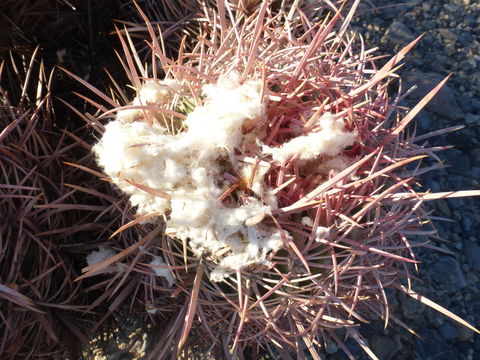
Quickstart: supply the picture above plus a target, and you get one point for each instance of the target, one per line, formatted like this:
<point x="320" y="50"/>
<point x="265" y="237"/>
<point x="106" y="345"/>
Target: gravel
<point x="451" y="44"/>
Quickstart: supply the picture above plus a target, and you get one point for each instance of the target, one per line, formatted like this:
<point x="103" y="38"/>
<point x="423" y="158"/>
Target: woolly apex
<point x="189" y="169"/>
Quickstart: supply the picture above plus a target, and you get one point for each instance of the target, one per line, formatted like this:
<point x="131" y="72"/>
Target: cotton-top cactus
<point x="274" y="163"/>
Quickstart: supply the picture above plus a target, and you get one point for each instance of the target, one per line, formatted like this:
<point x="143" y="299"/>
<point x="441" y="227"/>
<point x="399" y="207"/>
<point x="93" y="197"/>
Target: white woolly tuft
<point x="329" y="141"/>
<point x="99" y="255"/>
<point x="162" y="271"/>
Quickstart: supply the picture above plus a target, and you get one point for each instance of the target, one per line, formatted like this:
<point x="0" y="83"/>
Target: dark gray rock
<point x="465" y="103"/>
<point x="475" y="173"/>
<point x="447" y="272"/>
<point x="462" y="139"/>
<point x="476" y="307"/>
<point x="475" y="104"/>
<point x="433" y="347"/>
<point x="460" y="165"/>
<point x="429" y="25"/>
<point x="424" y="121"/>
<point x="467" y="223"/>
<point x="458" y="162"/>
<point x="472" y="252"/>
<point x="463" y="348"/>
<point x="470" y="20"/>
<point x="448" y="35"/>
<point x="434" y="319"/>
<point x="433" y="185"/>
<point x="458" y="182"/>
<point x="398" y="33"/>
<point x="384" y="347"/>
<point x="448" y="331"/>
<point x="443" y="104"/>
<point x="464" y="39"/>
<point x="471" y="118"/>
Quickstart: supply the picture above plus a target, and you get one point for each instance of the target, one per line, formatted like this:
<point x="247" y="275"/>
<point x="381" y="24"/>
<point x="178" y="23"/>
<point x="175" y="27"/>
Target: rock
<point x="475" y="173"/>
<point x="464" y="334"/>
<point x="429" y="25"/>
<point x="384" y="347"/>
<point x="458" y="162"/>
<point x="472" y="252"/>
<point x="424" y="121"/>
<point x="472" y="118"/>
<point x="448" y="331"/>
<point x="433" y="185"/>
<point x="434" y="319"/>
<point x="475" y="104"/>
<point x="467" y="223"/>
<point x="444" y="208"/>
<point x="475" y="156"/>
<point x="332" y="347"/>
<point x="476" y="307"/>
<point x="458" y="182"/>
<point x="448" y="273"/>
<point x="392" y="12"/>
<point x="462" y="139"/>
<point x="448" y="35"/>
<point x="451" y="8"/>
<point x="398" y="33"/>
<point x="411" y="309"/>
<point x="470" y="20"/>
<point x="433" y="347"/>
<point x="443" y="104"/>
<point x="465" y="103"/>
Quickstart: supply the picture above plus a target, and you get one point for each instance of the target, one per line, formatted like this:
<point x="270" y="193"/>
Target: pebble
<point x="448" y="331"/>
<point x="398" y="33"/>
<point x="465" y="103"/>
<point x="467" y="223"/>
<point x="470" y="20"/>
<point x="448" y="35"/>
<point x="424" y="121"/>
<point x="384" y="347"/>
<point x="472" y="252"/>
<point x="433" y="347"/>
<point x="472" y="118"/>
<point x="448" y="273"/>
<point x="443" y="104"/>
<point x="460" y="165"/>
<point x="331" y="348"/>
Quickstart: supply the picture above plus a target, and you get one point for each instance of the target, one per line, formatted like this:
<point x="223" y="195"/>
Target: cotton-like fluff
<point x="99" y="255"/>
<point x="181" y="176"/>
<point x="153" y="92"/>
<point x="161" y="270"/>
<point x="229" y="106"/>
<point x="187" y="169"/>
<point x="128" y="152"/>
<point x="253" y="174"/>
<point x="329" y="141"/>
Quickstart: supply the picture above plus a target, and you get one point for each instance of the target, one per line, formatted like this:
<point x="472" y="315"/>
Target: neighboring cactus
<point x="37" y="295"/>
